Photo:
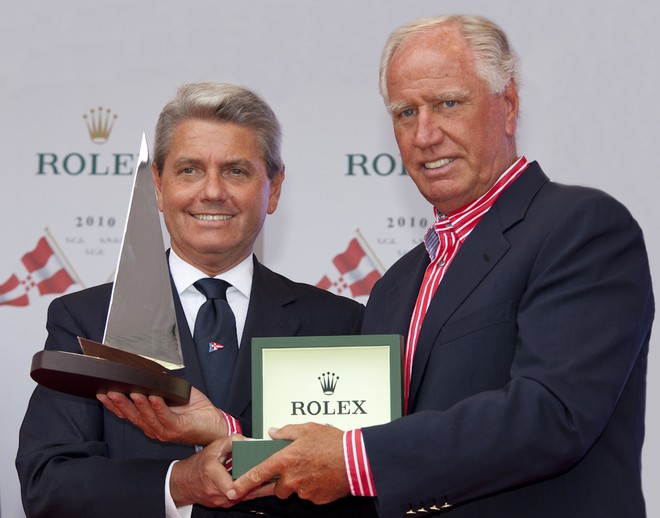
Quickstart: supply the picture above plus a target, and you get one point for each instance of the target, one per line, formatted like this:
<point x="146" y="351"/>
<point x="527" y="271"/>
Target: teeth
<point x="438" y="163"/>
<point x="212" y="217"/>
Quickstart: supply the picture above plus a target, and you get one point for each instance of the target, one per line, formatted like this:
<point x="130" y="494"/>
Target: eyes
<point x="229" y="172"/>
<point x="440" y="106"/>
<point x="236" y="172"/>
<point x="408" y="112"/>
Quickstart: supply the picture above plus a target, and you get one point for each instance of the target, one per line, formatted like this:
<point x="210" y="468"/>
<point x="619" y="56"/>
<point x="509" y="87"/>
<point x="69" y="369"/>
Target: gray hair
<point x="220" y="102"/>
<point x="495" y="60"/>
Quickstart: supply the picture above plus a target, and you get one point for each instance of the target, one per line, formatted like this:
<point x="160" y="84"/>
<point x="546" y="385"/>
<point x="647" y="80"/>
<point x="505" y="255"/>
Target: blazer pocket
<point x="478" y="320"/>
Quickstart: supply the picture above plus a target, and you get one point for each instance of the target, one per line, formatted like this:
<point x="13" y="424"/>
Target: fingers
<point x="139" y="411"/>
<point x="152" y="422"/>
<point x="202" y="478"/>
<point x="289" y="432"/>
<point x="109" y="405"/>
<point x="255" y="478"/>
<point x="197" y="422"/>
<point x="236" y="437"/>
<point x="268" y="470"/>
<point x="283" y="491"/>
<point x="154" y="411"/>
<point x="120" y="405"/>
<point x="262" y="491"/>
<point x="221" y="448"/>
<point x="312" y="466"/>
<point x="159" y="406"/>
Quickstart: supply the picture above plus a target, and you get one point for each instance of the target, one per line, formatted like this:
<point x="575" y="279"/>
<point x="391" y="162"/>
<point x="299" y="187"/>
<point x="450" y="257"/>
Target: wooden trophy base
<point x="87" y="375"/>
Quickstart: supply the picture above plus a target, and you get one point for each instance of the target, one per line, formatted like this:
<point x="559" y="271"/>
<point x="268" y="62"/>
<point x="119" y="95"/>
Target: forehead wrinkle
<point x="452" y="94"/>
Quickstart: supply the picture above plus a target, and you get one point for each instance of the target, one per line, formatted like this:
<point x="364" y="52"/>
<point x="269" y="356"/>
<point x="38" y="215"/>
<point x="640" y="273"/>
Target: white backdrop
<point x="589" y="115"/>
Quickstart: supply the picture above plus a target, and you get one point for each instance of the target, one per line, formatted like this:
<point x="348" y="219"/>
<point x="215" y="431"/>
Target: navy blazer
<point x="527" y="396"/>
<point x="77" y="459"/>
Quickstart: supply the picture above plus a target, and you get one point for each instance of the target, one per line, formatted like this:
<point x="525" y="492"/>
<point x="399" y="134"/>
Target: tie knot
<point x="212" y="288"/>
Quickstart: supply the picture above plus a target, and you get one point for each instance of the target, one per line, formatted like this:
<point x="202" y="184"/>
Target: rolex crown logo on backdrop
<point x="99" y="124"/>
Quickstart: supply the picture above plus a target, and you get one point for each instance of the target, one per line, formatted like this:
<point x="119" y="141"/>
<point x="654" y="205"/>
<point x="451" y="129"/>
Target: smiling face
<point x="214" y="193"/>
<point x="455" y="136"/>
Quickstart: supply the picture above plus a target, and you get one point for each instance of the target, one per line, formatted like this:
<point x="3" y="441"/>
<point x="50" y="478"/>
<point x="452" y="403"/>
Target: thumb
<point x="289" y="432"/>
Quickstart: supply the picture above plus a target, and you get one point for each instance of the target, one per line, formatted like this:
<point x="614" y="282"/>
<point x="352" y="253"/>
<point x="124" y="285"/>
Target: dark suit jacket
<point x="528" y="388"/>
<point x="76" y="459"/>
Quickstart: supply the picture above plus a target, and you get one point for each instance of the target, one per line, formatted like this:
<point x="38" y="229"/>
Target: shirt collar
<point x="184" y="274"/>
<point x="463" y="220"/>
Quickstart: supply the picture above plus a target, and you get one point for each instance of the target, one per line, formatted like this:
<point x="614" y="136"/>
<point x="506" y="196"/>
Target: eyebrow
<point x="240" y="162"/>
<point x="397" y="107"/>
<point x="449" y="95"/>
<point x="184" y="161"/>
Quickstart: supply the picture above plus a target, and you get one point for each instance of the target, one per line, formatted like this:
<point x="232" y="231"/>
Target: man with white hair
<point x="526" y="311"/>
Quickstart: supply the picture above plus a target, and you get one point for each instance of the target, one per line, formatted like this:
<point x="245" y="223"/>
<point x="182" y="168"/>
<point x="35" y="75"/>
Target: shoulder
<point x="555" y="198"/>
<point x="81" y="313"/>
<point x="574" y="195"/>
<point x="94" y="300"/>
<point x="581" y="209"/>
<point x="566" y="226"/>
<point x="536" y="206"/>
<point x="533" y="196"/>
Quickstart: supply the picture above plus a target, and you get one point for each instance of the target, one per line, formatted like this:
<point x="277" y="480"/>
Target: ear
<point x="158" y="185"/>
<point x="511" y="104"/>
<point x="275" y="191"/>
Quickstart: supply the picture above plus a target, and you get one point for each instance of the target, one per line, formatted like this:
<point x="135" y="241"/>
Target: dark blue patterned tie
<point x="215" y="339"/>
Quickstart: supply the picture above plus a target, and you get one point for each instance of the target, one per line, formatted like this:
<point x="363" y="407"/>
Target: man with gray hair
<point x="218" y="173"/>
<point x="526" y="312"/>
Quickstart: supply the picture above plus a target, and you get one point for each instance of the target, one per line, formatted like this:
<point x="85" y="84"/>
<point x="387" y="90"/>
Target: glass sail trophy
<point x="141" y="341"/>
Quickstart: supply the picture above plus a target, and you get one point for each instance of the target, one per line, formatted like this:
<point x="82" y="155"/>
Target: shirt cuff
<point x="233" y="426"/>
<point x="171" y="510"/>
<point x="358" y="469"/>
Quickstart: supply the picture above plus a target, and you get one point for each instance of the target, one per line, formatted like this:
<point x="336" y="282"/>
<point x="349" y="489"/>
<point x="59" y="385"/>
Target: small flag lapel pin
<point x="214" y="346"/>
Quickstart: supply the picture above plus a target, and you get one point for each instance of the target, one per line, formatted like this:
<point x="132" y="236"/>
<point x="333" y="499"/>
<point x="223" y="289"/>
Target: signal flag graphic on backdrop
<point x="42" y="270"/>
<point x="357" y="271"/>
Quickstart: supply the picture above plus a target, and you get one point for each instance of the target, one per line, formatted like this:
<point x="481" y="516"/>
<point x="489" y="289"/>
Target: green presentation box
<point x="246" y="454"/>
<point x="350" y="381"/>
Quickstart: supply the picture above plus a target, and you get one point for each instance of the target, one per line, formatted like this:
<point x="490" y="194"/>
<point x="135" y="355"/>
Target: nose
<point x="427" y="130"/>
<point x="214" y="187"/>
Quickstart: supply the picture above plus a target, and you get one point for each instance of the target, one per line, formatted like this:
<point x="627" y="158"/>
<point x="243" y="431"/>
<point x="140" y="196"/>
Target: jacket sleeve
<point x="64" y="463"/>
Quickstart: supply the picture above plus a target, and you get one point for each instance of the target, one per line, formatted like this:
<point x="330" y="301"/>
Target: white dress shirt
<point x="238" y="297"/>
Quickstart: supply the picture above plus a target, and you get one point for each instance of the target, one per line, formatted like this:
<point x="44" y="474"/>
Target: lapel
<point x="401" y="296"/>
<point x="483" y="249"/>
<point x="267" y="315"/>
